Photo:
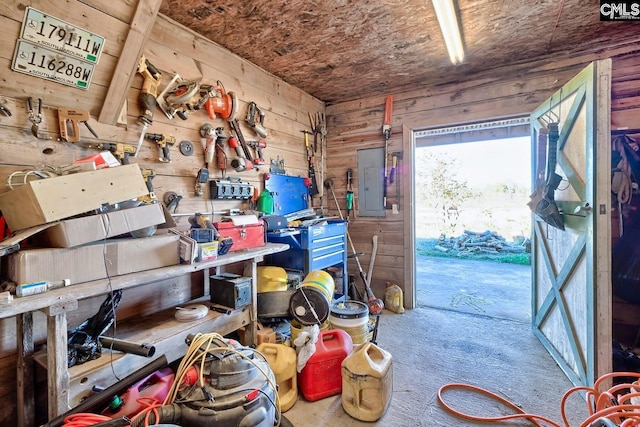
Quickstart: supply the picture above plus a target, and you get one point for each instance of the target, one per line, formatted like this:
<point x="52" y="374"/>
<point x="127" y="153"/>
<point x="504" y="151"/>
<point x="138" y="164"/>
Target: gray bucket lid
<point x="349" y="309"/>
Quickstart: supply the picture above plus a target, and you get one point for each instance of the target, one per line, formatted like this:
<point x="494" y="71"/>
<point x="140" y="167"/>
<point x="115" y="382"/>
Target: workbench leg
<point x="57" y="358"/>
<point x="25" y="371"/>
<point x="251" y="330"/>
<point x="57" y="363"/>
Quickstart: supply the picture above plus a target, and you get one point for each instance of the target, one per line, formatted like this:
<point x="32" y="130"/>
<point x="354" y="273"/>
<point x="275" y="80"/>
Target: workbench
<point x="56" y="303"/>
<point x="314" y="247"/>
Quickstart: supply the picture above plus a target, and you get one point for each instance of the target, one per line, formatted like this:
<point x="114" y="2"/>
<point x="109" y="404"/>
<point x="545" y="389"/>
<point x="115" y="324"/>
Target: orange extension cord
<point x="612" y="404"/>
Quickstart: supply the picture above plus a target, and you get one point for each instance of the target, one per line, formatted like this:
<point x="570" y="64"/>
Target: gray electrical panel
<point x="370" y="182"/>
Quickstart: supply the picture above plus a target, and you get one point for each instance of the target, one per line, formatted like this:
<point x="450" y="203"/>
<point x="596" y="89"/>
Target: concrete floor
<point x="472" y="326"/>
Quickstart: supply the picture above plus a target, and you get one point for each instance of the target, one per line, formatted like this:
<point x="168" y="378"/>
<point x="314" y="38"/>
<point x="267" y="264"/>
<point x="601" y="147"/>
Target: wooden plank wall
<point x="357" y="124"/>
<point x="173" y="49"/>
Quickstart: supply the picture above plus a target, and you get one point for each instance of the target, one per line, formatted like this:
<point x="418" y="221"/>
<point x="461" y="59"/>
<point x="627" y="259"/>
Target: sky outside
<point x="501" y="161"/>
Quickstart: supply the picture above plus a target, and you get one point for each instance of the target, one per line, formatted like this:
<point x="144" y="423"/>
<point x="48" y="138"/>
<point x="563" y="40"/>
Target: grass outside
<point x="426" y="247"/>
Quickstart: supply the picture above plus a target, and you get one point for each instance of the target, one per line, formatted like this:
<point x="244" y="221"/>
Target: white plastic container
<point x="352" y="317"/>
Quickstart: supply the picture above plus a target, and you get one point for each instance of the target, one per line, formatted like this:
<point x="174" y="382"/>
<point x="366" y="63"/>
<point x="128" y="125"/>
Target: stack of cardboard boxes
<point x="85" y="247"/>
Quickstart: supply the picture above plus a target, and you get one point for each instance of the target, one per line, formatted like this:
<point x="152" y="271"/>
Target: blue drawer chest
<point x="314" y="247"/>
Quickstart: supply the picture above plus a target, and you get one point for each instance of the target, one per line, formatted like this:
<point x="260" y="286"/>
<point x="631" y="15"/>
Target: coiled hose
<point x="606" y="408"/>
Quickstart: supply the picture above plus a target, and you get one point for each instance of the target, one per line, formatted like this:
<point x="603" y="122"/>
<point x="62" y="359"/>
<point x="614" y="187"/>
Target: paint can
<point x="367" y="382"/>
<point x="282" y="360"/>
<point x="352" y="317"/>
<point x="310" y="302"/>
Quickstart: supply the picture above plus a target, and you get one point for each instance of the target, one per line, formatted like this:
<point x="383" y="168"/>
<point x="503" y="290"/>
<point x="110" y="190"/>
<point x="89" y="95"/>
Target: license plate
<point x="54" y="33"/>
<point x="39" y="61"/>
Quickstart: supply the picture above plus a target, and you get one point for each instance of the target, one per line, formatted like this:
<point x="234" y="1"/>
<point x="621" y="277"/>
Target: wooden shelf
<point x="104" y="286"/>
<point x="66" y="387"/>
<point x="161" y="330"/>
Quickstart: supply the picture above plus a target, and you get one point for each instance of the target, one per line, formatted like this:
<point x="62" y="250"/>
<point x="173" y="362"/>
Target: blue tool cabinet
<point x="314" y="247"/>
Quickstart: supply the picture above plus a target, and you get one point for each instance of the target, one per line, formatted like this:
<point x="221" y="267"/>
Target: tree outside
<point x="475" y="186"/>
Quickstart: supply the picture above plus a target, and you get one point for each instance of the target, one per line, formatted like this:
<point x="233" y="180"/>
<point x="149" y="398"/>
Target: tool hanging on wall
<point x="148" y="96"/>
<point x="202" y="178"/>
<point x="376" y="305"/>
<point x="208" y="132"/>
<point x="277" y="166"/>
<point x="244" y="160"/>
<point x="171" y="200"/>
<point x="122" y="152"/>
<point x="5" y="111"/>
<point x="221" y="103"/>
<point x="386" y="133"/>
<point x="35" y="118"/>
<point x="313" y="183"/>
<point x="164" y="144"/>
<point x="258" y="146"/>
<point x="349" y="195"/>
<point x="68" y="120"/>
<point x="319" y="129"/>
<point x="547" y="209"/>
<point x="186" y="148"/>
<point x="181" y="99"/>
<point x="255" y="119"/>
<point x="148" y="175"/>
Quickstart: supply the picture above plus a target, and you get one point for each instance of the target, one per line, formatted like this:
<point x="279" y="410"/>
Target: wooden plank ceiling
<point x="339" y="50"/>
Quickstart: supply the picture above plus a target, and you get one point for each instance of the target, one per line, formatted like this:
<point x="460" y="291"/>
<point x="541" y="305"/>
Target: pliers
<point x="4" y="110"/>
<point x="34" y="118"/>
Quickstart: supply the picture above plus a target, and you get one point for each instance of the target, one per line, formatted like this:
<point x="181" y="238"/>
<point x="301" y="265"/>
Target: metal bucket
<point x="310" y="303"/>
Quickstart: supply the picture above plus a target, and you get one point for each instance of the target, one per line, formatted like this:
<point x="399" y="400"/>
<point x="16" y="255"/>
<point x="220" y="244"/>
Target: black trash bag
<point x="83" y="343"/>
<point x="625" y="264"/>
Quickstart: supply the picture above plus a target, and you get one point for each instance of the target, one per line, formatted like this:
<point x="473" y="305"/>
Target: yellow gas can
<point x="367" y="382"/>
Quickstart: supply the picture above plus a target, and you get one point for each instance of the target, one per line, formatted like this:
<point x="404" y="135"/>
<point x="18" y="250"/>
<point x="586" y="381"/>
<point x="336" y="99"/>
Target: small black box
<point x="230" y="290"/>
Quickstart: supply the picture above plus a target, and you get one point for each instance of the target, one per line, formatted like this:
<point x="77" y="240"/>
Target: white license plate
<point x="39" y="61"/>
<point x="54" y="33"/>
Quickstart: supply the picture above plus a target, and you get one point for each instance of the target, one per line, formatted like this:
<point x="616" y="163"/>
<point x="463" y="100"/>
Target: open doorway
<point x="472" y="222"/>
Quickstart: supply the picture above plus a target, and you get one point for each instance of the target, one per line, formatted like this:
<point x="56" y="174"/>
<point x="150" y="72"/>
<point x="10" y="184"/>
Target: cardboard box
<point x="94" y="261"/>
<point x="46" y="200"/>
<point x="75" y="232"/>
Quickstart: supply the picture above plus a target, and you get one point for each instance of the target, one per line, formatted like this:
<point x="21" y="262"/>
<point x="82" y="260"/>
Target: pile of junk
<point x="218" y="383"/>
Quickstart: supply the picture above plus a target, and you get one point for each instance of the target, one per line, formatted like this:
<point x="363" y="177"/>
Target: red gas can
<point x="154" y="387"/>
<point x="322" y="376"/>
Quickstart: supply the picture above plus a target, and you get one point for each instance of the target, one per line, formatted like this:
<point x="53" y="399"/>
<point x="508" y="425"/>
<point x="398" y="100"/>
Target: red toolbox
<point x="246" y="231"/>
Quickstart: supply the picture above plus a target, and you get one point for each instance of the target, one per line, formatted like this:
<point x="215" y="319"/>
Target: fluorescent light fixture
<point x="446" y="13"/>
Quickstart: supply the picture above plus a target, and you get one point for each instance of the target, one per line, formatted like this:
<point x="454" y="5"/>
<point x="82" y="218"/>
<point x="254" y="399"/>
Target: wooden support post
<point x="25" y="370"/>
<point x="251" y="330"/>
<point x="139" y="31"/>
<point x="57" y="359"/>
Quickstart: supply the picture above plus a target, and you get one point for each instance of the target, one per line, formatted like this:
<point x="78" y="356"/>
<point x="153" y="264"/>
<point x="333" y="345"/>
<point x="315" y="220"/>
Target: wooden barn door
<point x="571" y="312"/>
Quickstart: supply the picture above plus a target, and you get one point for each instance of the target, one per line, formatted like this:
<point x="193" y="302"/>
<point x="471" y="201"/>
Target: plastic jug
<point x="282" y="360"/>
<point x="393" y="298"/>
<point x="265" y="202"/>
<point x="367" y="382"/>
